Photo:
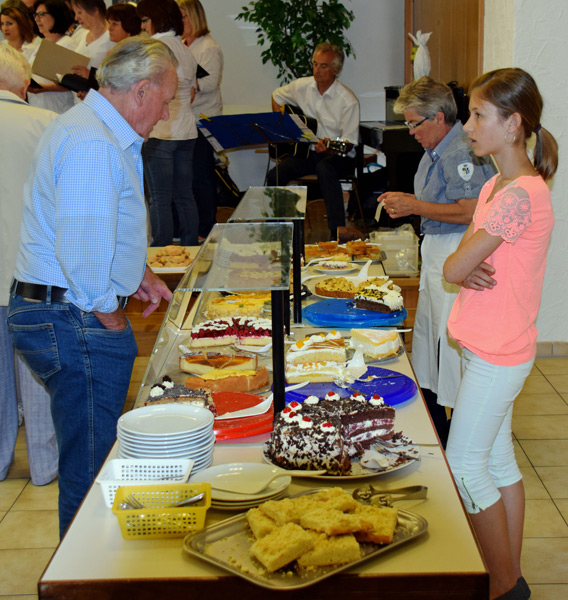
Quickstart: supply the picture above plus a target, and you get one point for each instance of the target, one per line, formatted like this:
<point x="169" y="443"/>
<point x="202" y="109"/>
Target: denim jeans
<point x="87" y="370"/>
<point x="169" y="179"/>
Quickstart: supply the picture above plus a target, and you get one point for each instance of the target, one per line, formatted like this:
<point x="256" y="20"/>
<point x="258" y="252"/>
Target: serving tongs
<point x="369" y="495"/>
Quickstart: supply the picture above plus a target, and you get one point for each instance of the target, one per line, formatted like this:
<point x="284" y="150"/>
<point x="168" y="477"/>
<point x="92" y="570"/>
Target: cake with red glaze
<point x="222" y="332"/>
<point x="327" y="433"/>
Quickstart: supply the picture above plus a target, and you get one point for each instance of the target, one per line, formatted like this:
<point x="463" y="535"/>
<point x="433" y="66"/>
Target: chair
<point x="352" y="180"/>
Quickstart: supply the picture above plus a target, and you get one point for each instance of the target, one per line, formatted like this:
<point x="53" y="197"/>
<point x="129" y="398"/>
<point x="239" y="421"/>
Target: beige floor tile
<point x="546" y="453"/>
<point x="559" y="382"/>
<point x="544" y="560"/>
<point x="558" y="366"/>
<point x="547" y="427"/>
<point x="555" y="480"/>
<point x="543" y="519"/>
<point x="38" y="497"/>
<point x="21" y="570"/>
<point x="2" y="515"/>
<point x="29" y="529"/>
<point x="537" y="384"/>
<point x="540" y="404"/>
<point x="522" y="459"/>
<point x="562" y="505"/>
<point x="21" y="439"/>
<point x="10" y="489"/>
<point x="534" y="488"/>
<point x="18" y="597"/>
<point x="20" y="467"/>
<point x="547" y="592"/>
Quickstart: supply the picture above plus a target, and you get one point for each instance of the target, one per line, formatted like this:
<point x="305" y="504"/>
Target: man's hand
<point x="480" y="278"/>
<point x="152" y="289"/>
<point x="399" y="204"/>
<point x="114" y="320"/>
<point x="321" y="147"/>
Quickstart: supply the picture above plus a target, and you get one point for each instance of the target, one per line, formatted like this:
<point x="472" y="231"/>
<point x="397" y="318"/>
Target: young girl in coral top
<point x="500" y="265"/>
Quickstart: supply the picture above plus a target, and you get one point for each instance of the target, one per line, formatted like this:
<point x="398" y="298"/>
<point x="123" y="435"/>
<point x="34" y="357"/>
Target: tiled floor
<point x="28" y="514"/>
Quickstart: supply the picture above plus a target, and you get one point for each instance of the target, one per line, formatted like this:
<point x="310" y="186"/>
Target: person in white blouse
<point x="94" y="40"/>
<point x="208" y="102"/>
<point x="168" y="153"/>
<point x="18" y="28"/>
<point x="53" y="19"/>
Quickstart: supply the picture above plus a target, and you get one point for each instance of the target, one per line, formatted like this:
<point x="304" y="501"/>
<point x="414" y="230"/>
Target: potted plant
<point x="292" y="29"/>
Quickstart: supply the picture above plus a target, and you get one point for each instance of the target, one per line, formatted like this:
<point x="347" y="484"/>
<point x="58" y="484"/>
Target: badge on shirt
<point x="465" y="170"/>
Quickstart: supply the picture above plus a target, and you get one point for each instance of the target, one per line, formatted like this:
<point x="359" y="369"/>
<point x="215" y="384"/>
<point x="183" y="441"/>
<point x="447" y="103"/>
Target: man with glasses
<point x="336" y="109"/>
<point x="446" y="186"/>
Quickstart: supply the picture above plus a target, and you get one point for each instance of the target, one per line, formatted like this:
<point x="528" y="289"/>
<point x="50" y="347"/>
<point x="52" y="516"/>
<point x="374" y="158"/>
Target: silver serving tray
<point x="227" y="544"/>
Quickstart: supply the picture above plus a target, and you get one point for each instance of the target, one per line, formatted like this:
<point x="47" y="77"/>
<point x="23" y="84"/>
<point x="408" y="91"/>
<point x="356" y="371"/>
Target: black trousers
<point x="329" y="170"/>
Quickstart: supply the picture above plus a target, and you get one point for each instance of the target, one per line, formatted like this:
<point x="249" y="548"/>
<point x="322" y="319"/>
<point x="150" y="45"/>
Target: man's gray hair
<point x="338" y="54"/>
<point x="15" y="70"/>
<point x="134" y="59"/>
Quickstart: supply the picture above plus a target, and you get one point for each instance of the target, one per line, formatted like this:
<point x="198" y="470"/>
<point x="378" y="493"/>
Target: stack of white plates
<point x="222" y="500"/>
<point x="167" y="431"/>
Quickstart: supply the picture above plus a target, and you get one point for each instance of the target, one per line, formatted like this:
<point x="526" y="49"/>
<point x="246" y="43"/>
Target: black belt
<point x="36" y="291"/>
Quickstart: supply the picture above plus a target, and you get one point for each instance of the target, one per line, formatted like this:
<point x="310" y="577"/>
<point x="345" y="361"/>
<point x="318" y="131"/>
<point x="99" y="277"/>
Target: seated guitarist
<point x="336" y="109"/>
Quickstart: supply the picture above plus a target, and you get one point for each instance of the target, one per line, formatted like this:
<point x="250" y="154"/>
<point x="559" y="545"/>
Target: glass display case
<point x="244" y="257"/>
<point x="279" y="204"/>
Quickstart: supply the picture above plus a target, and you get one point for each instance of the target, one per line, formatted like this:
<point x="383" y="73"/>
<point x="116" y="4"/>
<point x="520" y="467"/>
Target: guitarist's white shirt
<point x="336" y="110"/>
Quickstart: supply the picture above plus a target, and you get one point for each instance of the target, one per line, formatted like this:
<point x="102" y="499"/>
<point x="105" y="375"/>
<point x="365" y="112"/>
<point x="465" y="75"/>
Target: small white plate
<point x="166" y="419"/>
<point x="344" y="269"/>
<point x="223" y="471"/>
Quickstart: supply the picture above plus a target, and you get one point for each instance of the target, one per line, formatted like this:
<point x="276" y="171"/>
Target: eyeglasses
<point x="40" y="15"/>
<point x="413" y="126"/>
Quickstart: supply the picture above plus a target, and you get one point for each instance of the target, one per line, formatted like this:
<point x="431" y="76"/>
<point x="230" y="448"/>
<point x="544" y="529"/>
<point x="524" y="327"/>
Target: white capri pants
<point x="480" y="445"/>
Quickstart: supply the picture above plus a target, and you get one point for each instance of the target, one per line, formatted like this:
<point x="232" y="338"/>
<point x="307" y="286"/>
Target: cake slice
<point x="314" y="372"/>
<point x="336" y="550"/>
<point x="376" y="343"/>
<point x="378" y="299"/>
<point x="379" y="524"/>
<point x="282" y="546"/>
<point x="166" y="392"/>
<point x="332" y="521"/>
<point x="260" y="524"/>
<point x="200" y="363"/>
<point x="319" y="347"/>
<point x="233" y="380"/>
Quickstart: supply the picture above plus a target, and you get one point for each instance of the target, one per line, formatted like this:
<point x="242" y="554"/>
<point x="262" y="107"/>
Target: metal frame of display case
<point x="279" y="204"/>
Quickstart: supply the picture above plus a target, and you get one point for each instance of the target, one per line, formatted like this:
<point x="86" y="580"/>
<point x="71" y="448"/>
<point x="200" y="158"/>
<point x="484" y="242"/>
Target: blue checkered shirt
<point x="84" y="217"/>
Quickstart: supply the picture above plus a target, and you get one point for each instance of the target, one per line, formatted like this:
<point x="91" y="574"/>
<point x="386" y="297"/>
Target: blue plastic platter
<point x="395" y="391"/>
<point x="337" y="312"/>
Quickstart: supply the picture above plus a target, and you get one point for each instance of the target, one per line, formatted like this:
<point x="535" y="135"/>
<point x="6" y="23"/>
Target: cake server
<point x="252" y="478"/>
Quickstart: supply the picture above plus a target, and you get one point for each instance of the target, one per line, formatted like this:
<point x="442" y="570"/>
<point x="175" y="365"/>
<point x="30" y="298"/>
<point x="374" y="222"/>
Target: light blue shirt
<point x="449" y="172"/>
<point x="84" y="218"/>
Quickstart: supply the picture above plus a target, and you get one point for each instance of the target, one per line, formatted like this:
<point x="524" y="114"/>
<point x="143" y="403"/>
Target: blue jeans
<point x="169" y="179"/>
<point x="480" y="445"/>
<point x="86" y="369"/>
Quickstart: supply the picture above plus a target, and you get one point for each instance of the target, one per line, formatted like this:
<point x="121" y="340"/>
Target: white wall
<point x="377" y="36"/>
<point x="531" y="35"/>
